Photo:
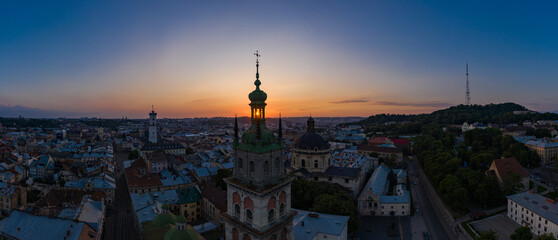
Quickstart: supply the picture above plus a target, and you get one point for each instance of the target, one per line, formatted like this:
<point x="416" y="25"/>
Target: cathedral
<point x="259" y="192"/>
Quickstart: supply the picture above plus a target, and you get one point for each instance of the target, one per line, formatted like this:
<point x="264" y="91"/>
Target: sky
<point x="116" y="59"/>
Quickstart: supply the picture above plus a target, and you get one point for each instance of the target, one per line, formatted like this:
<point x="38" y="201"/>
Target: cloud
<point x="358" y="100"/>
<point x="29" y="112"/>
<point x="434" y="104"/>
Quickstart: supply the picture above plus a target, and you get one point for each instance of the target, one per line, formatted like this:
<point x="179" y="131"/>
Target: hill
<point x="492" y="113"/>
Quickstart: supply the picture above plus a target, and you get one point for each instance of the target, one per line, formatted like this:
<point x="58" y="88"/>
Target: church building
<point x="259" y="192"/>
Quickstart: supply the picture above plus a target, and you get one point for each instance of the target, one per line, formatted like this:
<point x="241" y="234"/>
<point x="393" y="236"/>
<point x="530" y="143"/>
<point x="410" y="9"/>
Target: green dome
<point x="163" y="219"/>
<point x="180" y="219"/>
<point x="175" y="234"/>
<point x="257" y="96"/>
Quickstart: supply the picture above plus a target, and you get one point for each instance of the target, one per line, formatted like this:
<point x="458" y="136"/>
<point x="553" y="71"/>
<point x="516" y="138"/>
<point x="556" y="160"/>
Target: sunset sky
<point x="325" y="58"/>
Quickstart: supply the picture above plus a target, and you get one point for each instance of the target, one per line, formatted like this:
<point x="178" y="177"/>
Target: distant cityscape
<point x="255" y="177"/>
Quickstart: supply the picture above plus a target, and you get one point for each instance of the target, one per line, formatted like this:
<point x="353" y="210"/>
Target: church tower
<point x="259" y="192"/>
<point x="152" y="126"/>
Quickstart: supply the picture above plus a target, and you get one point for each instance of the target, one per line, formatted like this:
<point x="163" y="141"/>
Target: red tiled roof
<point x="378" y="140"/>
<point x="372" y="148"/>
<point x="507" y="166"/>
<point x="57" y="197"/>
<point x="400" y="141"/>
<point x="135" y="179"/>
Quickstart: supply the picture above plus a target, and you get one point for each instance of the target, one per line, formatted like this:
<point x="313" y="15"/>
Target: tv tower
<point x="467" y="92"/>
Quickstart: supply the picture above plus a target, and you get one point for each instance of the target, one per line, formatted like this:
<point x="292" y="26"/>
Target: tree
<point x="546" y="236"/>
<point x="338" y="205"/>
<point x="133" y="154"/>
<point x="522" y="233"/>
<point x="222" y="174"/>
<point x="512" y="184"/>
<point x="488" y="235"/>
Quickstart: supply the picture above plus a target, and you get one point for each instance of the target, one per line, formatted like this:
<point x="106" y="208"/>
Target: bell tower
<point x="152" y="125"/>
<point x="259" y="192"/>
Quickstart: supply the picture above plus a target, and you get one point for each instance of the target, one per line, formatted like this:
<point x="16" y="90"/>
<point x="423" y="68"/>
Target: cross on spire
<point x="257" y="56"/>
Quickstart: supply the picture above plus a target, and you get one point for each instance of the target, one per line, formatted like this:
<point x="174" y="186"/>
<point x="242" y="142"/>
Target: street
<point x="427" y="217"/>
<point x="120" y="222"/>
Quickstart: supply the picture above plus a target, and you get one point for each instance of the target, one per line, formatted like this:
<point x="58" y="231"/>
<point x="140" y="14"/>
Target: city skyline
<point x="115" y="60"/>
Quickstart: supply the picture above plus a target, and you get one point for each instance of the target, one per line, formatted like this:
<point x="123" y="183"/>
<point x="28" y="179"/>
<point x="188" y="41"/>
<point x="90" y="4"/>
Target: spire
<point x="152" y="108"/>
<point x="280" y="133"/>
<point x="257" y="82"/>
<point x="235" y="128"/>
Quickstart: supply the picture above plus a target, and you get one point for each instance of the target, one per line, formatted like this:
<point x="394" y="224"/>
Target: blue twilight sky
<point x="325" y="58"/>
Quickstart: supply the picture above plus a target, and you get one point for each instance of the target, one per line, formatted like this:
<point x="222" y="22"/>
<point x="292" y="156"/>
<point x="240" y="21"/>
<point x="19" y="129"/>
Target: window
<point x="315" y="163"/>
<point x="303" y="163"/>
<point x="236" y="210"/>
<point x="270" y="215"/>
<point x="346" y="180"/>
<point x="277" y="163"/>
<point x="329" y="179"/>
<point x="240" y="163"/>
<point x="266" y="168"/>
<point x="282" y="209"/>
<point x="248" y="216"/>
<point x="251" y="166"/>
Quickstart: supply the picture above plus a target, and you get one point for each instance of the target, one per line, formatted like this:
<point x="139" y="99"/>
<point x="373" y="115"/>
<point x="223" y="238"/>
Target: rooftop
<point x="306" y="225"/>
<point x="540" y="205"/>
<point x="21" y="225"/>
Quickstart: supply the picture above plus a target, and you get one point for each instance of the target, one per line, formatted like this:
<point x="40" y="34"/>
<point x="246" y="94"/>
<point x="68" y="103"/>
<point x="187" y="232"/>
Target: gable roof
<point x="506" y="166"/>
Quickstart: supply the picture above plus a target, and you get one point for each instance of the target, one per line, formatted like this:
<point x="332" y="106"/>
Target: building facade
<point x="540" y="214"/>
<point x="259" y="192"/>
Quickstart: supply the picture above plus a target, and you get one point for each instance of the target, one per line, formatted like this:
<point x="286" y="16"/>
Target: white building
<point x="540" y="214"/>
<point x="376" y="199"/>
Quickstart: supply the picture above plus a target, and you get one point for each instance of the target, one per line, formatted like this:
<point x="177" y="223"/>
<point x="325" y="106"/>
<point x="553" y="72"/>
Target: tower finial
<point x="152" y="108"/>
<point x="257" y="54"/>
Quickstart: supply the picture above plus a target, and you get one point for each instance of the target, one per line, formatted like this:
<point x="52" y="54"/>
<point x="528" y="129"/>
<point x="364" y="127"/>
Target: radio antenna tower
<point x="467" y="92"/>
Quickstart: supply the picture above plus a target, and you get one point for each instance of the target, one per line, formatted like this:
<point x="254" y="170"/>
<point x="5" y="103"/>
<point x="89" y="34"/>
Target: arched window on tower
<point x="271" y="215"/>
<point x="240" y="163"/>
<point x="303" y="163"/>
<point x="266" y="168"/>
<point x="251" y="166"/>
<point x="282" y="209"/>
<point x="237" y="210"/>
<point x="249" y="216"/>
<point x="277" y="164"/>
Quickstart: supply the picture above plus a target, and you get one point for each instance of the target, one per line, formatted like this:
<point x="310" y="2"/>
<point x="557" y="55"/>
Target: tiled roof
<point x="135" y="179"/>
<point x="342" y="172"/>
<point x="7" y="190"/>
<point x="507" y="166"/>
<point x="371" y="148"/>
<point x="21" y="225"/>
